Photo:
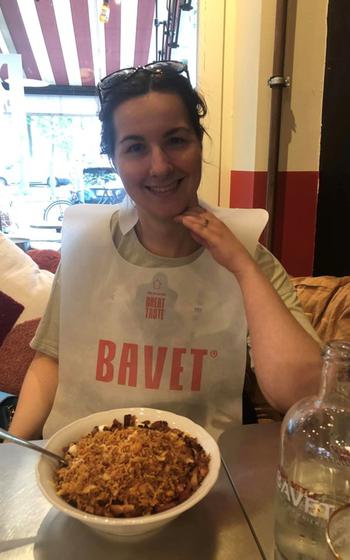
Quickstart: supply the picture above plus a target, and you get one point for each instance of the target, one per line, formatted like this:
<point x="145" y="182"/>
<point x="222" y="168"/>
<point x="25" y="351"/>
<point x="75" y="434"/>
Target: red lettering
<point x="152" y="380"/>
<point x="176" y="369"/>
<point x="153" y="371"/>
<point x="198" y="356"/>
<point x="128" y="364"/>
<point x="154" y="313"/>
<point x="105" y="355"/>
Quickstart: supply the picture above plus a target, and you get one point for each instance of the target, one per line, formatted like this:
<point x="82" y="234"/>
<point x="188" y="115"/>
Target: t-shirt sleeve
<point x="279" y="278"/>
<point x="46" y="339"/>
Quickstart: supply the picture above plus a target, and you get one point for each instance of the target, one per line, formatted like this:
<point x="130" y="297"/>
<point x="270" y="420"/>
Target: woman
<point x="155" y="300"/>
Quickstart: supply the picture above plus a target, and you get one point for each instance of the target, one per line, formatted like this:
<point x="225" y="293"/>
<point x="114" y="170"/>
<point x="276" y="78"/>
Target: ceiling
<point x="62" y="42"/>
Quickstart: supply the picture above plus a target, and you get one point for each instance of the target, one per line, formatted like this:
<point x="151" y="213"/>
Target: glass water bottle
<point x="313" y="477"/>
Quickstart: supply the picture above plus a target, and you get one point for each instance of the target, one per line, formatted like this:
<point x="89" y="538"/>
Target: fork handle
<point x="29" y="445"/>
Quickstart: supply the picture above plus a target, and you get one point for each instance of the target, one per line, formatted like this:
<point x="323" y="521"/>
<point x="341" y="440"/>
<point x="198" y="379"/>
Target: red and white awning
<point x="63" y="42"/>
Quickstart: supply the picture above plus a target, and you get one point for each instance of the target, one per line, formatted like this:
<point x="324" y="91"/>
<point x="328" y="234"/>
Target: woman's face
<point x="158" y="155"/>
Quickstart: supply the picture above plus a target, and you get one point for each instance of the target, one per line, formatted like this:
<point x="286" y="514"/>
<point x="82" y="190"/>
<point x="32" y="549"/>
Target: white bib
<point x="168" y="338"/>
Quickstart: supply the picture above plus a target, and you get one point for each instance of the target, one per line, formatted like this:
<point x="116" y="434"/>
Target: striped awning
<point x="63" y="42"/>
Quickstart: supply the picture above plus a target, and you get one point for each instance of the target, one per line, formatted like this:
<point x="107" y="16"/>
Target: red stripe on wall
<point x="19" y="36"/>
<point x="49" y="29"/>
<point x="295" y="221"/>
<point x="81" y="24"/>
<point x="112" y="37"/>
<point x="145" y="15"/>
<point x="248" y="189"/>
<point x="295" y="213"/>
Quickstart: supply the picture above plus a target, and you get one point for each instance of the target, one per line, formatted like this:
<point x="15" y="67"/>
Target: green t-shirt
<point x="46" y="339"/>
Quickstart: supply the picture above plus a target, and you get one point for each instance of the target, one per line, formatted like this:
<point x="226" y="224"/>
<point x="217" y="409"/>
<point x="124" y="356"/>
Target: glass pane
<point x="48" y="108"/>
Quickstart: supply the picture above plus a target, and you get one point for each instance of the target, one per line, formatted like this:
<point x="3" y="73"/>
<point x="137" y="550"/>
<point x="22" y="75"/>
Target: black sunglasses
<point x="124" y="74"/>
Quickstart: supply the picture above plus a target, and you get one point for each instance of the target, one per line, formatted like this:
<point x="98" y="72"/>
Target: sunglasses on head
<point x="111" y="80"/>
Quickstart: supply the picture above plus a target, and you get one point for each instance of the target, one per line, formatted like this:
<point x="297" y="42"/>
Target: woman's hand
<point x="215" y="236"/>
<point x="281" y="348"/>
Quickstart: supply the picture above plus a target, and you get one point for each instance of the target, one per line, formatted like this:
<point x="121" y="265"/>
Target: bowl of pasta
<point x="129" y="471"/>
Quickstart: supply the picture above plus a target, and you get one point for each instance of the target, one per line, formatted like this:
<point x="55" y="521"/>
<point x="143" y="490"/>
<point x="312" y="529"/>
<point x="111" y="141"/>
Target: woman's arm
<point x="40" y="383"/>
<point x="36" y="397"/>
<point x="287" y="359"/>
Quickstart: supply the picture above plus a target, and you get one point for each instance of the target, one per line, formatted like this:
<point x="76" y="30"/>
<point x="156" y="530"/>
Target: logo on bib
<point x="132" y="364"/>
<point x="157" y="297"/>
<point x="155" y="306"/>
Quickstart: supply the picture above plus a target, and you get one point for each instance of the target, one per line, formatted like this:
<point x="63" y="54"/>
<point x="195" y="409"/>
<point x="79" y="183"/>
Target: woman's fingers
<point x="197" y="215"/>
<point x="193" y="211"/>
<point x="197" y="224"/>
<point x="213" y="234"/>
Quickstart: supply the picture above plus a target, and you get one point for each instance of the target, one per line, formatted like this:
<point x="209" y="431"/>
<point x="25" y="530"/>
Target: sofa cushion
<point x="10" y="310"/>
<point x="46" y="259"/>
<point x="326" y="301"/>
<point x="16" y="356"/>
<point x="23" y="281"/>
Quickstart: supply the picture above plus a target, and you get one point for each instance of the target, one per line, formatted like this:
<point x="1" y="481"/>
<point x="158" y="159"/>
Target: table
<point x="21" y="242"/>
<point x="46" y="225"/>
<point x="250" y="455"/>
<point x="214" y="529"/>
<point x="46" y="235"/>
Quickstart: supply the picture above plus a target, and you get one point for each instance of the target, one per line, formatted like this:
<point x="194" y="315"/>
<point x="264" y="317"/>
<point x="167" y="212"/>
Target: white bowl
<point x="125" y="526"/>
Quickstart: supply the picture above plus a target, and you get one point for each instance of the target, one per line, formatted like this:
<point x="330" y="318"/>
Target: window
<point x="48" y="104"/>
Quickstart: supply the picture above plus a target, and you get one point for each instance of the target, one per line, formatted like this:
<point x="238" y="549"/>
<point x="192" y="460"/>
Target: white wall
<point x="211" y="33"/>
<point x="302" y="104"/>
<point x="235" y="57"/>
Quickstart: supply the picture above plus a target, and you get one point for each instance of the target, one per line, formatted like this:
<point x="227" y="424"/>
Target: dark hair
<point x="141" y="83"/>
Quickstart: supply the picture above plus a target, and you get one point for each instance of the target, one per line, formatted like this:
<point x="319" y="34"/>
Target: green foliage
<point x="57" y="129"/>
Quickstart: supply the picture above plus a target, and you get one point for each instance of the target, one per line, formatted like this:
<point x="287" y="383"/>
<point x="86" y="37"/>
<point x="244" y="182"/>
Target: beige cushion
<point x="23" y="281"/>
<point x="326" y="301"/>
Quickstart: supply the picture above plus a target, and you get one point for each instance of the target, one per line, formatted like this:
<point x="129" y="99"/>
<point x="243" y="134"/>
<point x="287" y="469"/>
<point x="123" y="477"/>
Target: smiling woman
<point x="153" y="301"/>
<point x="163" y="162"/>
<point x="152" y="131"/>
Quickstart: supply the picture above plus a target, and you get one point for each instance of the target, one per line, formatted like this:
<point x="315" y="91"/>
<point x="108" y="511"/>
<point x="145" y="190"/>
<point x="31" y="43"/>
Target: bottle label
<point x="306" y="502"/>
